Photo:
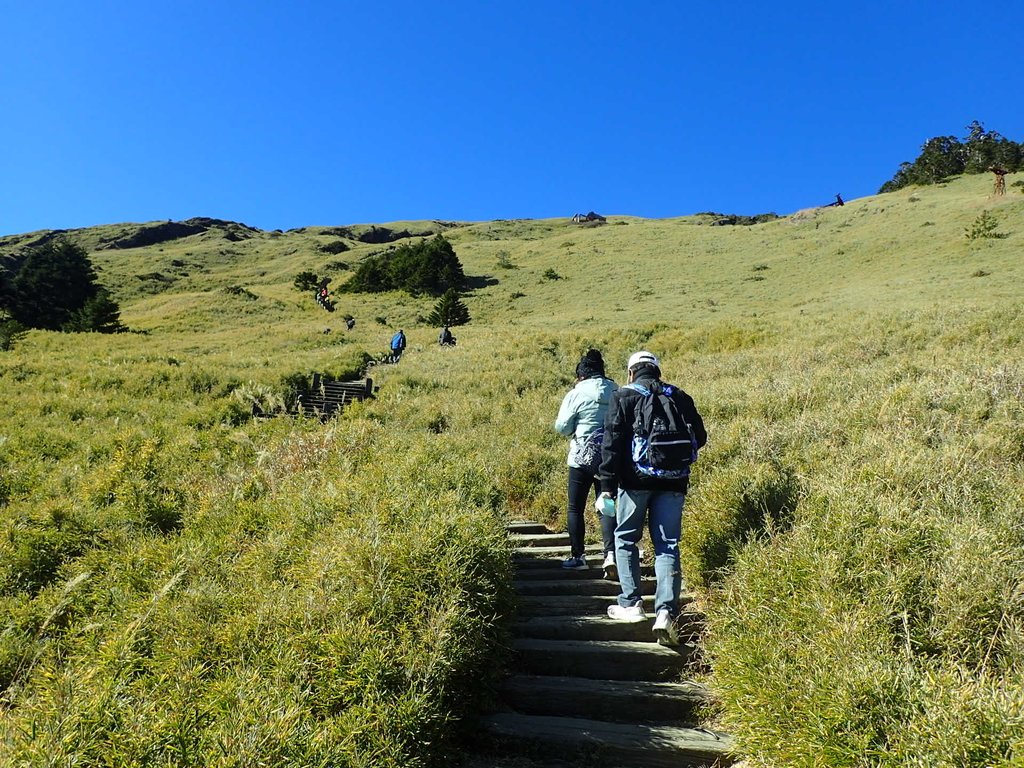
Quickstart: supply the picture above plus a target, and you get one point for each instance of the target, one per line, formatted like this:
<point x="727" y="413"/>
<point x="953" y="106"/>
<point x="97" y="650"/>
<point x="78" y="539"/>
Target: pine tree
<point x="449" y="310"/>
<point x="100" y="314"/>
<point x="52" y="288"/>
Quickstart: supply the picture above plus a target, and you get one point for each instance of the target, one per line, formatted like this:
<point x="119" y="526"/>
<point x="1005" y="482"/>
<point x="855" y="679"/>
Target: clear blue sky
<point x="314" y="112"/>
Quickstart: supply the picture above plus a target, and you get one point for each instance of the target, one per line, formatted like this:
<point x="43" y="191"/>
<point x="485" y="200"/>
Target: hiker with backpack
<point x="397" y="345"/>
<point x="581" y="417"/>
<point x="445" y="338"/>
<point x="652" y="433"/>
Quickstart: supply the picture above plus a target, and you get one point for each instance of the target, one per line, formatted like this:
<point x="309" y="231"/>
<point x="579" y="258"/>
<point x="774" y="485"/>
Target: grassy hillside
<point x="182" y="585"/>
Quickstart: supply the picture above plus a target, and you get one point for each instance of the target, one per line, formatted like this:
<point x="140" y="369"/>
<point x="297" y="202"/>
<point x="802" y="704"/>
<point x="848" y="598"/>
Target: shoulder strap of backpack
<point x="638" y="388"/>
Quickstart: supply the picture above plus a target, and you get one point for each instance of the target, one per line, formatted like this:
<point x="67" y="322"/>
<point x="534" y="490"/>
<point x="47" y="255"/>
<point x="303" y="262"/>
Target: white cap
<point x="642" y="357"/>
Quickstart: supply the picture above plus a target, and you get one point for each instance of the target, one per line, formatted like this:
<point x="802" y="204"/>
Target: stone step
<point x="525" y="526"/>
<point x="549" y="570"/>
<point x="546" y="539"/>
<point x="610" y="700"/>
<point x="600" y="628"/>
<point x="556" y="552"/>
<point x="582" y="605"/>
<point x="556" y="586"/>
<point x="601" y="659"/>
<point x="565" y="605"/>
<point x="610" y="744"/>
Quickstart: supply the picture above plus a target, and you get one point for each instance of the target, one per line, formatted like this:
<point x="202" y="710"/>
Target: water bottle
<point x="605" y="505"/>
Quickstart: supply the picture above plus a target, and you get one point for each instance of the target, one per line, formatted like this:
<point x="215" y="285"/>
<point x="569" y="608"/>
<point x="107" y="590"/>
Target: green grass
<point x="182" y="585"/>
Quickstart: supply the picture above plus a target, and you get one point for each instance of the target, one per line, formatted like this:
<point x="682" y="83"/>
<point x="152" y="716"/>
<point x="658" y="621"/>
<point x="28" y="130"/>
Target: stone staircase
<point x="586" y="690"/>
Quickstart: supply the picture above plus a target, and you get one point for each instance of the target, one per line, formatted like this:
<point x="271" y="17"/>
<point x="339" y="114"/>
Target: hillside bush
<point x="736" y="505"/>
<point x="449" y="310"/>
<point x="429" y="267"/>
<point x="984" y="227"/>
<point x="55" y="287"/>
<point x="334" y="247"/>
<point x="99" y="313"/>
<point x="306" y="281"/>
<point x="11" y="332"/>
<point x="945" y="156"/>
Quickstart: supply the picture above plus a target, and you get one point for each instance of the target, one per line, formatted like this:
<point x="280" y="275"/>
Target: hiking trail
<point x="584" y="687"/>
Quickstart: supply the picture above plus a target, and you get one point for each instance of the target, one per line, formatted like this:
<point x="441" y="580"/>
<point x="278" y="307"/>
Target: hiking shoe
<point x="623" y="613"/>
<point x="611" y="571"/>
<point x="665" y="628"/>
<point x="575" y="563"/>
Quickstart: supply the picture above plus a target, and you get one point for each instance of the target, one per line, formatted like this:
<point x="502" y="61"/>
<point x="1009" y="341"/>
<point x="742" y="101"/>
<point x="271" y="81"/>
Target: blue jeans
<point x="664" y="513"/>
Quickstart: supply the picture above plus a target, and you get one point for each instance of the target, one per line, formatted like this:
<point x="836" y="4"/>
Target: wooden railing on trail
<point x="327" y="397"/>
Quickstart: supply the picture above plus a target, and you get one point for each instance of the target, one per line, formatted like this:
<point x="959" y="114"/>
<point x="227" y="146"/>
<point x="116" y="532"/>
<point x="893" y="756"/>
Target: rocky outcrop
<point x="153" y="234"/>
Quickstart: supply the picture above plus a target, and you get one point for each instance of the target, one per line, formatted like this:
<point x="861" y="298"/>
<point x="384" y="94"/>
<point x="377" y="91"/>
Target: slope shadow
<point x="474" y="282"/>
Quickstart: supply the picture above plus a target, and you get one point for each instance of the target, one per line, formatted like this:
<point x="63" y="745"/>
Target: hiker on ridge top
<point x="651" y="436"/>
<point x="581" y="417"/>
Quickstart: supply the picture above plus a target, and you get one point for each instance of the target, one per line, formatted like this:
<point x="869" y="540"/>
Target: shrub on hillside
<point x="428" y="267"/>
<point x="56" y="288"/>
<point x="237" y="290"/>
<point x="34" y="552"/>
<point x="945" y="156"/>
<point x="983" y="228"/>
<point x="100" y="313"/>
<point x="11" y="332"/>
<point x="449" y="310"/>
<point x="138" y="482"/>
<point x="335" y="247"/>
<point x="306" y="281"/>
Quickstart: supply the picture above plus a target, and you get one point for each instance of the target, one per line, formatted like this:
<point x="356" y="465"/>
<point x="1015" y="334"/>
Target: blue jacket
<point x="583" y="410"/>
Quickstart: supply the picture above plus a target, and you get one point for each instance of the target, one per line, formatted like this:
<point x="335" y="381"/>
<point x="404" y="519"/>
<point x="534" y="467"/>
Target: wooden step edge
<point x="651" y="746"/>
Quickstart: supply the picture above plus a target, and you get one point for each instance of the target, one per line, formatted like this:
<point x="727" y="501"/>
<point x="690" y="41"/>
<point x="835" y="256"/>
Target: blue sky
<point x="282" y="115"/>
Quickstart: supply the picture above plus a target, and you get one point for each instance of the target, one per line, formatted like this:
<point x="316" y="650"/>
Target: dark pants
<point x="580" y="483"/>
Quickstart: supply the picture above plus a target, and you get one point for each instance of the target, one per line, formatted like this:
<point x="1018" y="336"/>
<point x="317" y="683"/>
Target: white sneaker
<point x="611" y="571"/>
<point x="631" y="613"/>
<point x="665" y="629"/>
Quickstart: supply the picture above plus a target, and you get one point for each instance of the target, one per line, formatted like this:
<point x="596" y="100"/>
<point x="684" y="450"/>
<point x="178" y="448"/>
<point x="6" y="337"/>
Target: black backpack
<point x="663" y="443"/>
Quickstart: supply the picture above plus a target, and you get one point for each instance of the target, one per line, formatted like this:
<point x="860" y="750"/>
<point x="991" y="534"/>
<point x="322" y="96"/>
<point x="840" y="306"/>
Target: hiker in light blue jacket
<point x="581" y="417"/>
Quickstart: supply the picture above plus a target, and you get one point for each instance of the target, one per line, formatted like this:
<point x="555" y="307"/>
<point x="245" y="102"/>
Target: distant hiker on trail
<point x="581" y="417"/>
<point x="651" y="436"/>
<point x="323" y="298"/>
<point x="397" y="346"/>
<point x="445" y="338"/>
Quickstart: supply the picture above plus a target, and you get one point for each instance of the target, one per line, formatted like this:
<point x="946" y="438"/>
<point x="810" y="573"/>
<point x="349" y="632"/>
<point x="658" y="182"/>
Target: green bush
<point x="334" y="247"/>
<point x="306" y="281"/>
<point x="449" y="310"/>
<point x="983" y="228"/>
<point x="136" y="481"/>
<point x="55" y="287"/>
<point x="35" y="549"/>
<point x="11" y="332"/>
<point x="429" y="267"/>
